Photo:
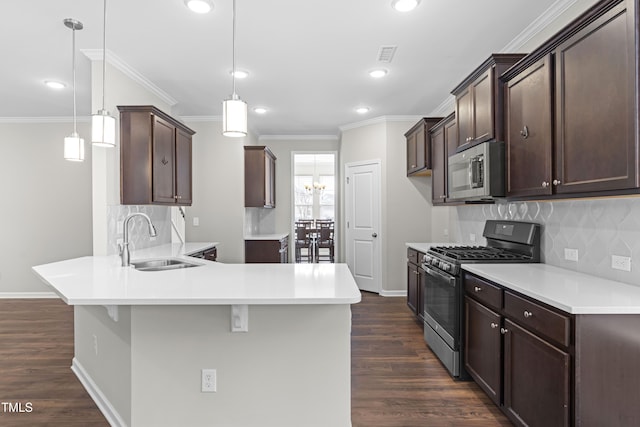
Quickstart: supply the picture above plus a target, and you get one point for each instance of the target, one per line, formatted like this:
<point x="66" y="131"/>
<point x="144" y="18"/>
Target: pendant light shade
<point x="103" y="129"/>
<point x="74" y="148"/>
<point x="73" y="144"/>
<point x="234" y="117"/>
<point x="103" y="126"/>
<point x="234" y="110"/>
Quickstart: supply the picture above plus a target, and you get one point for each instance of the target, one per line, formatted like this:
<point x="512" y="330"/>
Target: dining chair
<point x="303" y="241"/>
<point x="325" y="230"/>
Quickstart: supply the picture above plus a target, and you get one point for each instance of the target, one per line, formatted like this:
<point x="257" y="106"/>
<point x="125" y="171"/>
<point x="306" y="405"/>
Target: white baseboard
<point x="384" y="293"/>
<point x="21" y="295"/>
<point x="109" y="412"/>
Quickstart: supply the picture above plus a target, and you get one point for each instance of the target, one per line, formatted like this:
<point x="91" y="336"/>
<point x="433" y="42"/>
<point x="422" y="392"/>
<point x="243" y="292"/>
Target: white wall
<point x="218" y="190"/>
<point x="406" y="211"/>
<point x="120" y="90"/>
<point x="46" y="203"/>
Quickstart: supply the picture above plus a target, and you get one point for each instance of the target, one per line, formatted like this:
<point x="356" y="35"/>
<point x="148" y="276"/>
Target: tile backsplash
<point x="138" y="230"/>
<point x="597" y="228"/>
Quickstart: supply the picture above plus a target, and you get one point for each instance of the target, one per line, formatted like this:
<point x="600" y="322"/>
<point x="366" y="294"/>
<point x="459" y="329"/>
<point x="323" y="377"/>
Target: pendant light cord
<point x="233" y="49"/>
<point x="73" y="65"/>
<point x="104" y="50"/>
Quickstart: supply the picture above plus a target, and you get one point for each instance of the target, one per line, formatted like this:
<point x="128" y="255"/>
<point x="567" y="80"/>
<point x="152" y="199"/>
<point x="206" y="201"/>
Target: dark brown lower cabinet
<point x="415" y="283"/>
<point x="267" y="251"/>
<point x="536" y="379"/>
<point x="483" y="352"/>
<point x="545" y="367"/>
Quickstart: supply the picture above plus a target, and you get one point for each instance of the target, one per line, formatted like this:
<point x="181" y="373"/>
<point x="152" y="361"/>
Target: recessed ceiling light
<point x="376" y="74"/>
<point x="260" y="110"/>
<point x="404" y="5"/>
<point x="199" y="6"/>
<point x="54" y="85"/>
<point x="240" y="74"/>
<point x="362" y="110"/>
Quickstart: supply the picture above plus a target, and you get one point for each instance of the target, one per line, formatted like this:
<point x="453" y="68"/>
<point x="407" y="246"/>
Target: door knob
<point x="374" y="235"/>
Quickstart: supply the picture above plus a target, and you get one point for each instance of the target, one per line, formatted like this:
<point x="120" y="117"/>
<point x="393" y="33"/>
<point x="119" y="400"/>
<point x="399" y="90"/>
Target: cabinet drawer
<point x="414" y="256"/>
<point x="553" y="325"/>
<point x="483" y="291"/>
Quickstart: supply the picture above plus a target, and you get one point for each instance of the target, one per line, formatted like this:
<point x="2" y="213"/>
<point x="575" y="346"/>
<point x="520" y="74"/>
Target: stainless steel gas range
<point x="507" y="242"/>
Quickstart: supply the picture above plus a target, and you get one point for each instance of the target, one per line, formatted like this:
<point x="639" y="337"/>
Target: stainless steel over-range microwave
<point x="477" y="173"/>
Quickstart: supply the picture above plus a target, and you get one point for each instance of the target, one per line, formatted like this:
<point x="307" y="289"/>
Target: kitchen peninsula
<point x="142" y="339"/>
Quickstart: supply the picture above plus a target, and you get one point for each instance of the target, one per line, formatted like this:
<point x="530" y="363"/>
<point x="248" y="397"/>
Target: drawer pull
<point x="527" y="314"/>
<point x="494" y="325"/>
<point x="477" y="288"/>
<point x="503" y="331"/>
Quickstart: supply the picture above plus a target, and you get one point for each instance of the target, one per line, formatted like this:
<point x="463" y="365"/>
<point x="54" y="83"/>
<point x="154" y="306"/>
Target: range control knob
<point x="445" y="266"/>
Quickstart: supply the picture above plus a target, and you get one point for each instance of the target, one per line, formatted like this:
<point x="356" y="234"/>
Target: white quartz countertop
<point x="101" y="280"/>
<point x="567" y="290"/>
<point x="275" y="236"/>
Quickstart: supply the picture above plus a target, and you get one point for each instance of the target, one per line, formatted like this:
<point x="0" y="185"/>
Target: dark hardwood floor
<point x="396" y="380"/>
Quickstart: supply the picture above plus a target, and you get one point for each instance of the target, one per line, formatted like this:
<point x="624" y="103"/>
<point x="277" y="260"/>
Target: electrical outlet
<point x="95" y="344"/>
<point x="570" y="254"/>
<point x="209" y="381"/>
<point x="445" y="232"/>
<point x="472" y="237"/>
<point x="621" y="262"/>
<point x="196" y="221"/>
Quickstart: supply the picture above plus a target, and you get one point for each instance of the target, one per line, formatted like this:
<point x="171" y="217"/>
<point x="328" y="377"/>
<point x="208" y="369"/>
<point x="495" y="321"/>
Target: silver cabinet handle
<point x="527" y="314"/>
<point x="477" y="288"/>
<point x="545" y="184"/>
<point x="503" y="331"/>
<point x="524" y="133"/>
<point x="374" y="235"/>
<point x="494" y="325"/>
<point x="556" y="182"/>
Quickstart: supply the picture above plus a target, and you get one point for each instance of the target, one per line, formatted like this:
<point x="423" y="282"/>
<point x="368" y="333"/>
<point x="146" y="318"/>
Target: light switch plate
<point x="570" y="254"/>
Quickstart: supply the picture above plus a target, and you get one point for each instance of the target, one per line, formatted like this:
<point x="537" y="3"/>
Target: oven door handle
<point x="447" y="277"/>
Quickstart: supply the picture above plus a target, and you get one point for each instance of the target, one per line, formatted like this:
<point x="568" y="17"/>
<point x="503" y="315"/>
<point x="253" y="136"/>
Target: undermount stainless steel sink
<point x="162" y="264"/>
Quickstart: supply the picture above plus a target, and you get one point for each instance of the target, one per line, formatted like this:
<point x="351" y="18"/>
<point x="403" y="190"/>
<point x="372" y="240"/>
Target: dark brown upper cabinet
<point x="529" y="139"/>
<point x="419" y="147"/>
<point x="155" y="158"/>
<point x="259" y="177"/>
<point x="572" y="110"/>
<point x="480" y="101"/>
<point x="443" y="136"/>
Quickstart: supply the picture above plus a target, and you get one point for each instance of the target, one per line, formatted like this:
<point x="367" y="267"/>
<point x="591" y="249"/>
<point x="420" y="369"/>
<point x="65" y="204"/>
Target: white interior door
<point x="362" y="212"/>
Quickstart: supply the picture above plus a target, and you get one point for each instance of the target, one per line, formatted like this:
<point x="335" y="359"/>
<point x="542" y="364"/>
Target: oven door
<point x="442" y="305"/>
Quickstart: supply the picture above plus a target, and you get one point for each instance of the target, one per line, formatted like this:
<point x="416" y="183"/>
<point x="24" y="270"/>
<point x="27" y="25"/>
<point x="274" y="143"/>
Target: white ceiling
<point x="308" y="59"/>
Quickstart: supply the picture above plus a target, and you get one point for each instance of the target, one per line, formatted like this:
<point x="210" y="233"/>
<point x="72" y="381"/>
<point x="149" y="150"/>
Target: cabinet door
<point x="482" y="356"/>
<point x="421" y="149"/>
<point x="536" y="380"/>
<point x="183" y="168"/>
<point x="483" y="107"/>
<point x="451" y="144"/>
<point x="270" y="181"/>
<point x="412" y="163"/>
<point x="529" y="134"/>
<point x="163" y="161"/>
<point x="413" y="281"/>
<point x="595" y="144"/>
<point x="438" y="166"/>
<point x="464" y="117"/>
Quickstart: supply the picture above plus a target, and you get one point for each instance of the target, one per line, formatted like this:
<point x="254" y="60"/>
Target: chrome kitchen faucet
<point x="124" y="247"/>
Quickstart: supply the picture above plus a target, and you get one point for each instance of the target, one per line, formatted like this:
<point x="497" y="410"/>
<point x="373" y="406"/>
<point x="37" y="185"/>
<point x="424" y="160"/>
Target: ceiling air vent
<point x="385" y="54"/>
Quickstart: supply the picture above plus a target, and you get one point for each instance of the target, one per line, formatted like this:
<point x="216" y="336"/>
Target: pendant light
<point x="103" y="125"/>
<point x="234" y="110"/>
<point x="73" y="144"/>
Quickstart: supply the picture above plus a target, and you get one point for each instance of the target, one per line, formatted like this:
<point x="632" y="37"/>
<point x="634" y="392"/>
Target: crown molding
<point x="201" y="118"/>
<point x="298" y="138"/>
<point x="445" y="108"/>
<point x="62" y="119"/>
<point x="379" y="120"/>
<point x="127" y="70"/>
<point x="539" y="24"/>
